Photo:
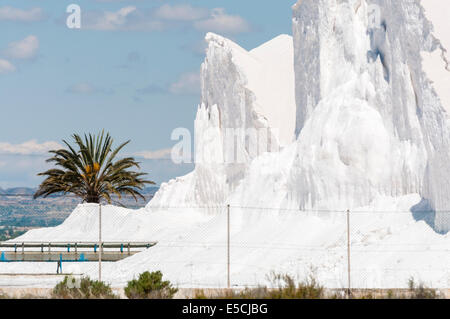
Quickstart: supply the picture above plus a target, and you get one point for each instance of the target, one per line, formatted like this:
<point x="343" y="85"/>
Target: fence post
<point x="100" y="242"/>
<point x="348" y="255"/>
<point x="228" y="247"/>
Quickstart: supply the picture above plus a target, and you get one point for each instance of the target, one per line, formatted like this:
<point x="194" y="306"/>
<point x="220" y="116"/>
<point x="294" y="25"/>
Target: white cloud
<point x="198" y="47"/>
<point x="112" y="1"/>
<point x="155" y="155"/>
<point x="86" y="89"/>
<point x="23" y="49"/>
<point x="167" y="16"/>
<point x="6" y="67"/>
<point x="125" y="19"/>
<point x="31" y="147"/>
<point x="82" y="88"/>
<point x="14" y="14"/>
<point x="113" y="20"/>
<point x="221" y="22"/>
<point x="21" y="170"/>
<point x="188" y="83"/>
<point x="182" y="12"/>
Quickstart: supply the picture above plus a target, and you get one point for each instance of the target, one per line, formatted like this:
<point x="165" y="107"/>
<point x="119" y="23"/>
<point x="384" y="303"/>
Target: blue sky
<point x="131" y="69"/>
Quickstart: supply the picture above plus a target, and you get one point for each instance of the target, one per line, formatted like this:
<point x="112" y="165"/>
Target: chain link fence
<point x="219" y="247"/>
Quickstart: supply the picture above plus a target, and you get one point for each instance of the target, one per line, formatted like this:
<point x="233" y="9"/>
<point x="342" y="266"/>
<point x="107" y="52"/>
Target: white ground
<point x="387" y="248"/>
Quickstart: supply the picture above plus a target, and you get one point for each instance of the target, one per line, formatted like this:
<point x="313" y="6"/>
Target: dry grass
<point x="287" y="288"/>
<point x="309" y="288"/>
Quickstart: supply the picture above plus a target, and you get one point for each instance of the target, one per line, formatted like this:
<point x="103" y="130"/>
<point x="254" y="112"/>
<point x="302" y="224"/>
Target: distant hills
<point x="18" y="208"/>
<point x="18" y="191"/>
<point x="28" y="191"/>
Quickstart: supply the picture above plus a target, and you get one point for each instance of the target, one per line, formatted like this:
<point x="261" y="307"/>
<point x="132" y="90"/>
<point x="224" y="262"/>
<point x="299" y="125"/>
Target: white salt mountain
<point x="436" y="63"/>
<point x="354" y="122"/>
<point x="368" y="120"/>
<point x="241" y="91"/>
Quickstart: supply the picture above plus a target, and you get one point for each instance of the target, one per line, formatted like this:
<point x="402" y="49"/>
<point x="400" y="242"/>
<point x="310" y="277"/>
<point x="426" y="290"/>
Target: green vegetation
<point x="420" y="291"/>
<point x="150" y="286"/>
<point x="90" y="171"/>
<point x="286" y="288"/>
<point x="85" y="288"/>
<point x="414" y="291"/>
<point x="9" y="232"/>
<point x="24" y="211"/>
<point x="25" y="296"/>
<point x="33" y="221"/>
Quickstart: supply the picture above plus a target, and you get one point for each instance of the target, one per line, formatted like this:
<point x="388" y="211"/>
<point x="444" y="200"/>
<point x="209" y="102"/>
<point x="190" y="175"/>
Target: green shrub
<point x="421" y="291"/>
<point x="23" y="296"/>
<point x="150" y="286"/>
<point x="4" y="296"/>
<point x="85" y="289"/>
<point x="247" y="293"/>
<point x="287" y="288"/>
<point x="414" y="291"/>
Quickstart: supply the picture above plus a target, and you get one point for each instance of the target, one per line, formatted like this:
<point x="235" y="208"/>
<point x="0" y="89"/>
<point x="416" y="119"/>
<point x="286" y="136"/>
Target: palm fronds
<point x="90" y="170"/>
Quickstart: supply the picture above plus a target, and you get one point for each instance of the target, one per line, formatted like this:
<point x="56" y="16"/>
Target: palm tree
<point x="90" y="171"/>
